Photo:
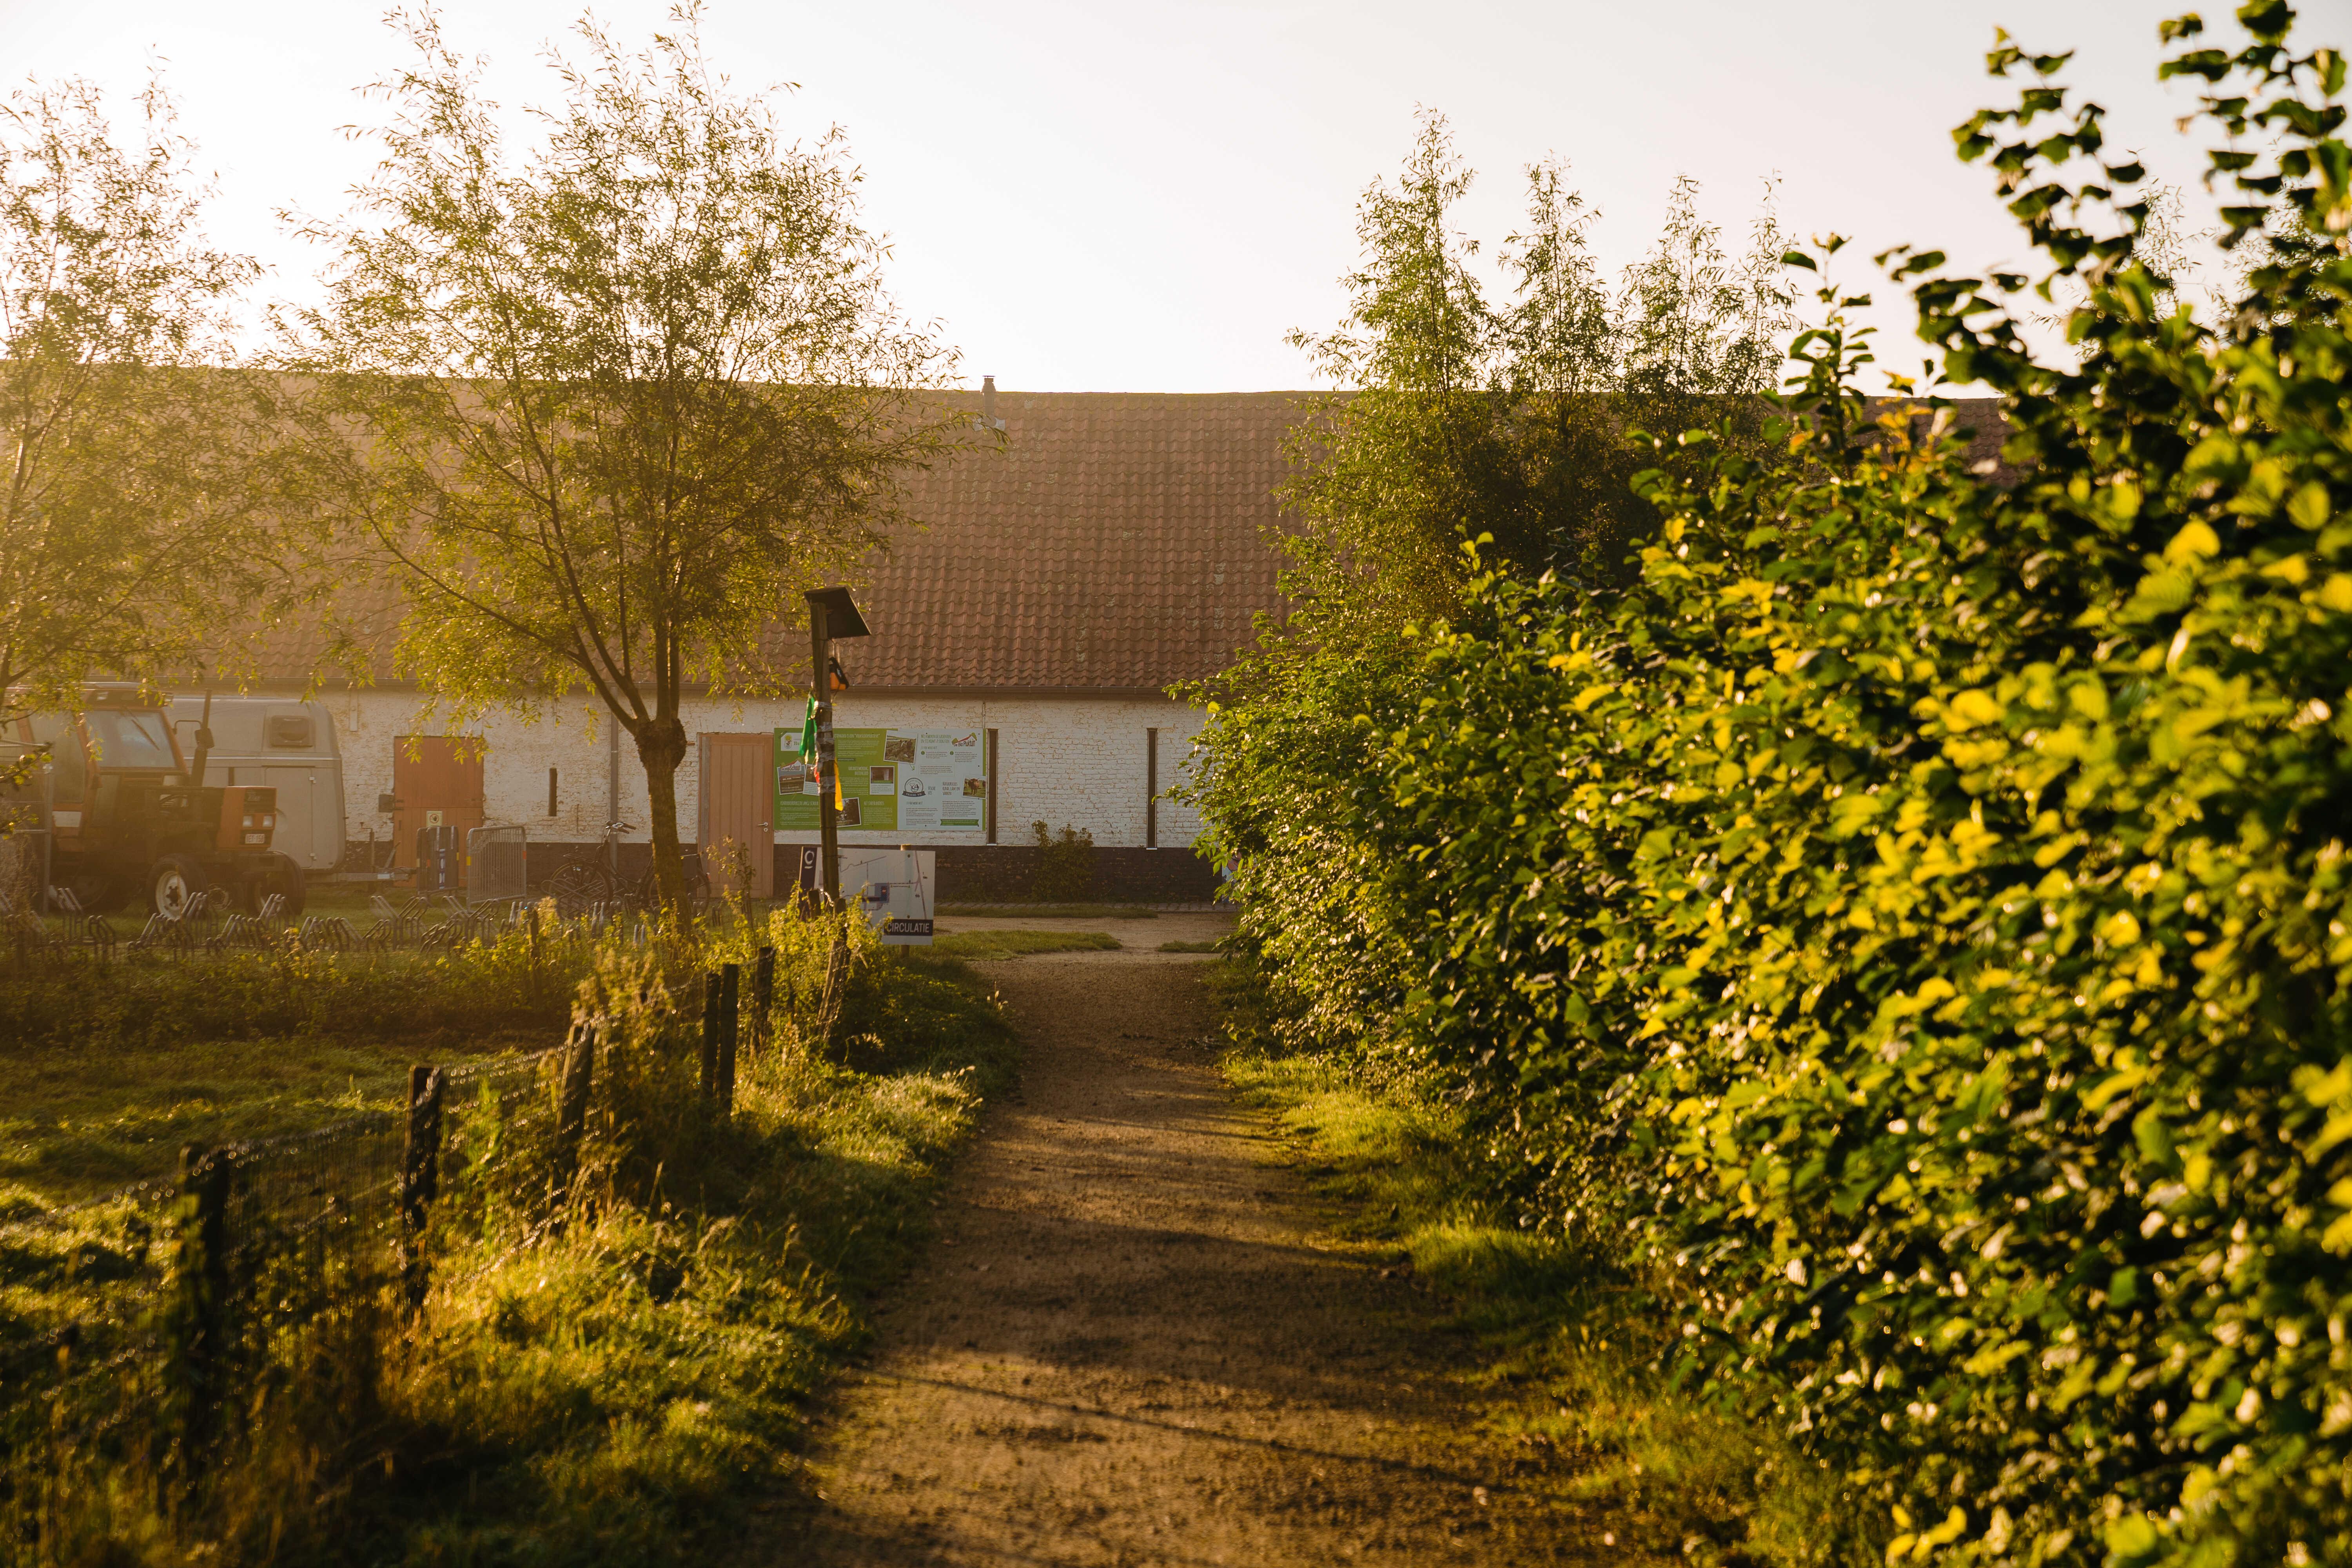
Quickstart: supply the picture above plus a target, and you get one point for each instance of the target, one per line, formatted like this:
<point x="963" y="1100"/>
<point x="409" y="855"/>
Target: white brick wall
<point x="1079" y="762"/>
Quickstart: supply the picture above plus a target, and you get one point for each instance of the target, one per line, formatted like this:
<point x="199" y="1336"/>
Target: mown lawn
<point x="76" y="1124"/>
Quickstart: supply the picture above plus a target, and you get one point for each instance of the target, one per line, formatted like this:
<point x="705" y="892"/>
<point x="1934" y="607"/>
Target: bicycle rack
<point x="166" y="933"/>
<point x="329" y="933"/>
<point x="82" y="928"/>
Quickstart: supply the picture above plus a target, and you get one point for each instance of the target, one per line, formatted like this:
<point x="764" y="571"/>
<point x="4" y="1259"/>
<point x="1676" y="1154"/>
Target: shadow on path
<point x="1124" y="1348"/>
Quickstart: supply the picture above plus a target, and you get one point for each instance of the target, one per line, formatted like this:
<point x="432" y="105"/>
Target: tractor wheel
<point x="172" y="884"/>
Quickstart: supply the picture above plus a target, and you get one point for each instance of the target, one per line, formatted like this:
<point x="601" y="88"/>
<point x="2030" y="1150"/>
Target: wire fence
<point x="167" y="1335"/>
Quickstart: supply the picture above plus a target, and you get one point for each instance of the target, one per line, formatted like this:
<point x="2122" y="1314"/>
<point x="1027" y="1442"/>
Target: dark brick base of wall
<point x="970" y="873"/>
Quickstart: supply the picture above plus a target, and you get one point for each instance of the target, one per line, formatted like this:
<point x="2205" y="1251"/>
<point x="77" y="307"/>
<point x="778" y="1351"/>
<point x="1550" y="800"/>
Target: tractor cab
<point x="127" y="821"/>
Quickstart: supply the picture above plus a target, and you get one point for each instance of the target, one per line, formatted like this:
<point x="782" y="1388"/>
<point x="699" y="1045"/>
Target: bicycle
<point x="584" y="882"/>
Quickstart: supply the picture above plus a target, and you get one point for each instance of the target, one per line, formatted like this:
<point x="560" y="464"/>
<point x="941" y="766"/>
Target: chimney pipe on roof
<point x="988" y="400"/>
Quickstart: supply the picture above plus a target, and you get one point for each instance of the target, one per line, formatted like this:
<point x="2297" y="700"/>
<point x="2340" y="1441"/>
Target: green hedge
<point x="1910" y="925"/>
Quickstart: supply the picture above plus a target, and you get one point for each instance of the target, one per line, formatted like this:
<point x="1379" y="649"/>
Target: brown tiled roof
<point x="1111" y="543"/>
<point x="1113" y="540"/>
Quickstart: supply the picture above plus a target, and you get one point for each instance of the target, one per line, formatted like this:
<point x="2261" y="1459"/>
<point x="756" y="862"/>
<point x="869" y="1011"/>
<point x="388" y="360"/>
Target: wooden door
<point x="438" y="779"/>
<point x="737" y="802"/>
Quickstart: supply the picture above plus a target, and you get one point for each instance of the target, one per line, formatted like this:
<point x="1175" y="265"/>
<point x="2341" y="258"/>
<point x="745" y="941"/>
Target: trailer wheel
<point x="173" y="885"/>
<point x="97" y="894"/>
<point x="280" y="875"/>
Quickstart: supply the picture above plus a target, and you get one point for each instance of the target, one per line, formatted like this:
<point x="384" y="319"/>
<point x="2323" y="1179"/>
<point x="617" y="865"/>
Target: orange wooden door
<point x="738" y="799"/>
<point x="438" y="779"/>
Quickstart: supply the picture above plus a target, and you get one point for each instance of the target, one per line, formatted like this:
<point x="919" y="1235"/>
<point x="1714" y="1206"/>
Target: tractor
<point x="126" y="821"/>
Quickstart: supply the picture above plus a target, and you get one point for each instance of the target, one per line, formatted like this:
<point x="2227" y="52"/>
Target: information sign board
<point x="892" y="781"/>
<point x="893" y="887"/>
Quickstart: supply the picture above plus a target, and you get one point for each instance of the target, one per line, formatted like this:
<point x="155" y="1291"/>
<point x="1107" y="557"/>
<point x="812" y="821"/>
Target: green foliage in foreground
<point x="1907" y="929"/>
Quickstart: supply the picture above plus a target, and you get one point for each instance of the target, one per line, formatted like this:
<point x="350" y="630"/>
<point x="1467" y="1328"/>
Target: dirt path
<point x="1127" y="1349"/>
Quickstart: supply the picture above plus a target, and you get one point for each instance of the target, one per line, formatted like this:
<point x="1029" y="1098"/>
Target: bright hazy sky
<point x="1147" y="196"/>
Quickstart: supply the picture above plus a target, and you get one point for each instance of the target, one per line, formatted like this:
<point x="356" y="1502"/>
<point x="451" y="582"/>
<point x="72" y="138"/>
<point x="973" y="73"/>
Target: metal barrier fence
<point x="150" y="1334"/>
<point x="498" y="864"/>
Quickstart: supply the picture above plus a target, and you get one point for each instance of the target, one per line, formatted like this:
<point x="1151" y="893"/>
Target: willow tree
<point x="135" y="531"/>
<point x="603" y="409"/>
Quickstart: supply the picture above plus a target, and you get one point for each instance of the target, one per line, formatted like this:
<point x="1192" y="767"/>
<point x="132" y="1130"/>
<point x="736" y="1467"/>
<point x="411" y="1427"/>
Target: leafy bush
<point x="1065" y="865"/>
<point x="1909" y="926"/>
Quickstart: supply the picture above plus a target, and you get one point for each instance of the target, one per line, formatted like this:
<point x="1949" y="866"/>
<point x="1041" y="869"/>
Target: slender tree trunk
<point x="661" y="747"/>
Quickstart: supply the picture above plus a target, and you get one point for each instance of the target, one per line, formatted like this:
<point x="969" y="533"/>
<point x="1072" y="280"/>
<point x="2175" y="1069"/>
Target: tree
<point x="137" y="531"/>
<point x="1393" y="475"/>
<point x="1561" y="415"/>
<point x="603" y="413"/>
<point x="1512" y="430"/>
<point x="1514" y="423"/>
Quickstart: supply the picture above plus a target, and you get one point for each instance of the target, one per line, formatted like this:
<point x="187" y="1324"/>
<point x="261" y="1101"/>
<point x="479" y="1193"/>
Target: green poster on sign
<point x="892" y="781"/>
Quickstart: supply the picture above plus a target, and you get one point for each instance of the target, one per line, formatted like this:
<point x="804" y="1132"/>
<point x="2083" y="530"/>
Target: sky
<point x="1150" y="197"/>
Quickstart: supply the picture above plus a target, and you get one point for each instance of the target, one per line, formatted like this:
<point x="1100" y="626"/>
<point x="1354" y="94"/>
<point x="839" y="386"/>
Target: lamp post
<point x="832" y="614"/>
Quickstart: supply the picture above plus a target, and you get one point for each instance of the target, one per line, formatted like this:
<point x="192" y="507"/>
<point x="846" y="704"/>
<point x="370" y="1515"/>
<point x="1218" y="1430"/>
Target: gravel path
<point x="1127" y="1346"/>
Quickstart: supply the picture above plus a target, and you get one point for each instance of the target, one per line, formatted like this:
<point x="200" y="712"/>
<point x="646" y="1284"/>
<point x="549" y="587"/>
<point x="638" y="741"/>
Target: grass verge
<point x="1054" y="911"/>
<point x="629" y="1393"/>
<point x="986" y="944"/>
<point x="616" y="1380"/>
<point x="1568" y="1356"/>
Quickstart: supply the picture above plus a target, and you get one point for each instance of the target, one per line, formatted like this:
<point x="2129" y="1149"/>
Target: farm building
<point x="1115" y="546"/>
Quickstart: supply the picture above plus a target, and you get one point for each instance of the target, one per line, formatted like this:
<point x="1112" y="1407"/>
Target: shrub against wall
<point x="1909" y="924"/>
<point x="1065" y="865"/>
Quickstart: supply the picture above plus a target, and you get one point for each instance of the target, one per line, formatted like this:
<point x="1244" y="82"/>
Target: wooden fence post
<point x="572" y="1113"/>
<point x="763" y="997"/>
<point x="201" y="1271"/>
<point x="710" y="1036"/>
<point x="731" y="979"/>
<point x="420" y="1171"/>
<point x="532" y="923"/>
